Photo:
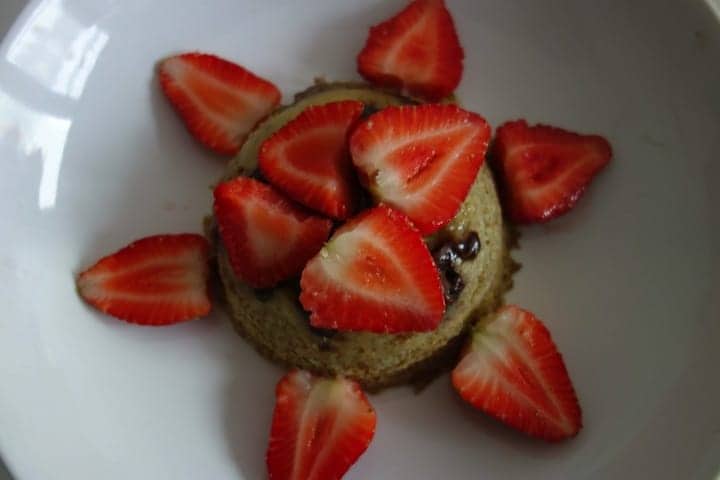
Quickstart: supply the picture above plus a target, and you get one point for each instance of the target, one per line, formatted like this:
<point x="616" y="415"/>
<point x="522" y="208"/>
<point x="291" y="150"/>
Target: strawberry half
<point x="267" y="237"/>
<point x="374" y="274"/>
<point x="308" y="158"/>
<point x="417" y="50"/>
<point x="320" y="427"/>
<point x="511" y="369"/>
<point x="156" y="280"/>
<point x="544" y="170"/>
<point x="219" y="101"/>
<point x="421" y="160"/>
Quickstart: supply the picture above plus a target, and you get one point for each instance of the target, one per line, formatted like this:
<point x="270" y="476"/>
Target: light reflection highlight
<point x="56" y="49"/>
<point x="36" y="132"/>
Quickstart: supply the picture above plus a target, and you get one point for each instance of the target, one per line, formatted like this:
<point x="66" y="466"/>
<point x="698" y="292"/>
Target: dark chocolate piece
<point x="447" y="257"/>
<point x="453" y="285"/>
<point x="469" y="247"/>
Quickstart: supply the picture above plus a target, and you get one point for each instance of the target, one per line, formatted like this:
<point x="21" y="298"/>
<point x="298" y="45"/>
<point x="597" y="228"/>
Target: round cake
<point x="274" y="321"/>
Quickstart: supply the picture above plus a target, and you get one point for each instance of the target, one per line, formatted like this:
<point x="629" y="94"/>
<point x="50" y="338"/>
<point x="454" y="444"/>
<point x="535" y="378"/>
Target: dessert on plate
<point x="362" y="238"/>
<point x="471" y="254"/>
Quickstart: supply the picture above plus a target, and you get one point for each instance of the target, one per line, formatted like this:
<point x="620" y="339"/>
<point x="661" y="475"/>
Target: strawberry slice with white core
<point x="543" y="170"/>
<point x="421" y="160"/>
<point x="157" y="280"/>
<point x="416" y="50"/>
<point x="511" y="369"/>
<point x="219" y="101"/>
<point x="374" y="274"/>
<point x="320" y="427"/>
<point x="267" y="237"/>
<point x="308" y="158"/>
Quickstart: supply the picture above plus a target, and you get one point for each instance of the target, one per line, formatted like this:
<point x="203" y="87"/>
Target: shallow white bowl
<point x="91" y="157"/>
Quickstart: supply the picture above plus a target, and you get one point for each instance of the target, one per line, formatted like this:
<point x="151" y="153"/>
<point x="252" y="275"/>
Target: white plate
<point x="91" y="157"/>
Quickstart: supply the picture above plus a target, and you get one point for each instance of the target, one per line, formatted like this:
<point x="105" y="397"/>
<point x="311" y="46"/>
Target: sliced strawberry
<point x="375" y="274"/>
<point x="156" y="280"/>
<point x="320" y="427"/>
<point x="544" y="170"/>
<point x="267" y="237"/>
<point x="421" y="160"/>
<point x="511" y="369"/>
<point x="417" y="50"/>
<point x="219" y="101"/>
<point x="308" y="158"/>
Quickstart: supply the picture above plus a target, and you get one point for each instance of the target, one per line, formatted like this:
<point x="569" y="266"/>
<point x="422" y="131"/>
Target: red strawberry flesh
<point x="267" y="237"/>
<point x="320" y="427"/>
<point x="512" y="370"/>
<point x="219" y="101"/>
<point x="421" y="160"/>
<point x="375" y="274"/>
<point x="417" y="50"/>
<point x="308" y="158"/>
<point x="544" y="170"/>
<point x="157" y="280"/>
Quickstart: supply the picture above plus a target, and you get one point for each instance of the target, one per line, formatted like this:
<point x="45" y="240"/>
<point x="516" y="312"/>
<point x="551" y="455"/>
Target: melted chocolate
<point x="448" y="256"/>
<point x="469" y="247"/>
<point x="453" y="285"/>
<point x="445" y="256"/>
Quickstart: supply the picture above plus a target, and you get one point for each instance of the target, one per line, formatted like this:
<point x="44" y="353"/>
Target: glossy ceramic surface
<point x="92" y="157"/>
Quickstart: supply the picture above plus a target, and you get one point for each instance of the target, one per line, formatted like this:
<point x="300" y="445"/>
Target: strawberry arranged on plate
<point x="421" y="160"/>
<point x="374" y="274"/>
<point x="417" y="50"/>
<point x="219" y="101"/>
<point x="267" y="237"/>
<point x="545" y="170"/>
<point x="320" y="427"/>
<point x="511" y="369"/>
<point x="156" y="280"/>
<point x="308" y="158"/>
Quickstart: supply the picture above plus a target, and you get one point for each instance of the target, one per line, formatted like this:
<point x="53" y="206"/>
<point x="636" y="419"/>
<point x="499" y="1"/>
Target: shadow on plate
<point x="249" y="399"/>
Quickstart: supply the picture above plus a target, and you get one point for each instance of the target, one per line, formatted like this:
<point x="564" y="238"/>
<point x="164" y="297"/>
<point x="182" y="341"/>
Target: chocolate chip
<point x="469" y="247"/>
<point x="445" y="256"/>
<point x="453" y="285"/>
<point x="446" y="260"/>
